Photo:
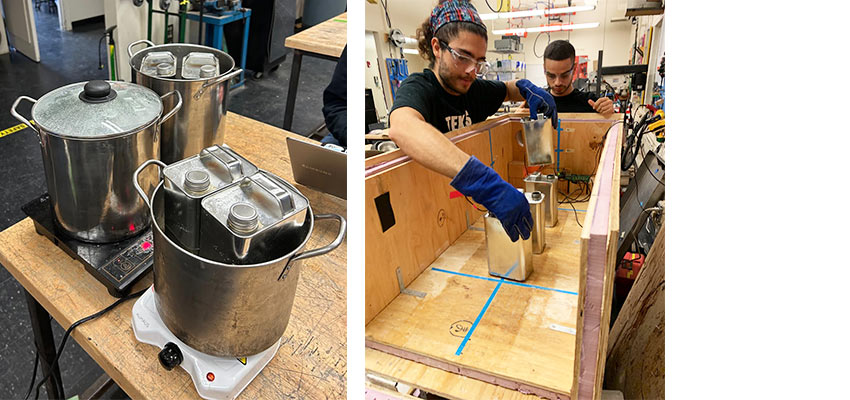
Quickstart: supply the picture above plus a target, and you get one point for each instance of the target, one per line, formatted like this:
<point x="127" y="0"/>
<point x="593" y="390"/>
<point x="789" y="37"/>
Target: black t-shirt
<point x="575" y="102"/>
<point x="446" y="112"/>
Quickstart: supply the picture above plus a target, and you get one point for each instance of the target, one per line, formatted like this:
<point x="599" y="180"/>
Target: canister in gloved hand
<point x="536" y="202"/>
<point x="187" y="181"/>
<point x="548" y="185"/>
<point x="506" y="259"/>
<point x="252" y="222"/>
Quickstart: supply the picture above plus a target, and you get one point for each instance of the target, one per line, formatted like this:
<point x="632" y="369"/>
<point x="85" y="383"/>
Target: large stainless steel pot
<point x="93" y="137"/>
<point x="227" y="309"/>
<point x="200" y="122"/>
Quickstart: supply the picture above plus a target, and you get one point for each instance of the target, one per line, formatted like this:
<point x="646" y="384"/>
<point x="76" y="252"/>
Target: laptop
<point x="318" y="167"/>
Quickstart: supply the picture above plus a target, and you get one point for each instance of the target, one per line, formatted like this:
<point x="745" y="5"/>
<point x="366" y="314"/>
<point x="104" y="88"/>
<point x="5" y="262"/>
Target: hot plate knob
<point x="170" y="356"/>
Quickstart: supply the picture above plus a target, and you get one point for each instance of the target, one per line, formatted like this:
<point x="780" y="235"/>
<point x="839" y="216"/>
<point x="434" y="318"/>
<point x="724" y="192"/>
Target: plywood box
<point x="466" y="329"/>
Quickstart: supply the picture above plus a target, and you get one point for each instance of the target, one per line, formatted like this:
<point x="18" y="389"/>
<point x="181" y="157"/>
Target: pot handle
<point x="136" y="178"/>
<point x="18" y="116"/>
<point x="130" y="47"/>
<point x="173" y="110"/>
<point x="216" y="81"/>
<point x="321" y="250"/>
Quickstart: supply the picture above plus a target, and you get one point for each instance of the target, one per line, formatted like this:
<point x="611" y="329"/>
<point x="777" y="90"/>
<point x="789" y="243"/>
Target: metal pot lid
<point x="97" y="109"/>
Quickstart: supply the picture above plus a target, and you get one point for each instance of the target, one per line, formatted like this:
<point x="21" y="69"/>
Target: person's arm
<point x="335" y="105"/>
<point x="424" y="143"/>
<point x="513" y="93"/>
<point x="427" y="146"/>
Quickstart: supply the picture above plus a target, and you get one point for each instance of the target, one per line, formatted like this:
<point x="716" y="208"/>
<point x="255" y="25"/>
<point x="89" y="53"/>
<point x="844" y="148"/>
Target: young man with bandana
<point x="451" y="95"/>
<point x="559" y="61"/>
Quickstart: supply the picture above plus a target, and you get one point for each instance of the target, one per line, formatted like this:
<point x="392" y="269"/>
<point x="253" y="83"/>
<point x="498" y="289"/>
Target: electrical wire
<point x="548" y="40"/>
<point x="99" y="57"/>
<point x="68" y="331"/>
<point x="386" y="13"/>
<point x="491" y="7"/>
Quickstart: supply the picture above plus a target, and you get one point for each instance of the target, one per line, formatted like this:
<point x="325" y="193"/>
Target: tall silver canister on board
<point x="188" y="181"/>
<point x="537" y="138"/>
<point x="241" y="223"/>
<point x="536" y="202"/>
<point x="548" y="185"/>
<point x="506" y="259"/>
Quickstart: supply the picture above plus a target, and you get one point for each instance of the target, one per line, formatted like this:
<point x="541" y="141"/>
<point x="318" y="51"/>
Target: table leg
<point x="45" y="347"/>
<point x="293" y="89"/>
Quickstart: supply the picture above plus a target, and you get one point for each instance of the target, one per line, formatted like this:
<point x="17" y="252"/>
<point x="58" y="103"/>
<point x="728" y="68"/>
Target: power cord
<point x="52" y="368"/>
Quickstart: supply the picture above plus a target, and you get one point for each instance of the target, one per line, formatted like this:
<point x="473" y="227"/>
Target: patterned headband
<point x="454" y="11"/>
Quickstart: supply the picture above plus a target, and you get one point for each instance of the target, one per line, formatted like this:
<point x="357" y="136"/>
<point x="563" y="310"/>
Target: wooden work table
<point x="325" y="40"/>
<point x="311" y="362"/>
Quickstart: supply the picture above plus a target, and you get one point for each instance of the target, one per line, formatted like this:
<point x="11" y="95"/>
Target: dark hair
<point x="559" y="50"/>
<point x="446" y="33"/>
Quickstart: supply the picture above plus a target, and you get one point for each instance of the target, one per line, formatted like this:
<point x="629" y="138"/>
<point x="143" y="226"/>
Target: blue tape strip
<point x="490" y="136"/>
<point x="570" y="209"/>
<point x="477" y="320"/>
<point x="486" y="278"/>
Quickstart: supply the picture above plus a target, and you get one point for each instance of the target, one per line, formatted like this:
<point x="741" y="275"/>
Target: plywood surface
<point x="635" y="359"/>
<point x="598" y="251"/>
<point x="327" y="38"/>
<point x="513" y="343"/>
<point x="311" y="362"/>
<point x="435" y="380"/>
<point x="427" y="220"/>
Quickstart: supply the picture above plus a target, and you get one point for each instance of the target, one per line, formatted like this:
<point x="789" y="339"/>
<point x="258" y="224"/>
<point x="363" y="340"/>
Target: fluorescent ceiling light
<point x="545" y="28"/>
<point x="410" y="51"/>
<point x="536" y="13"/>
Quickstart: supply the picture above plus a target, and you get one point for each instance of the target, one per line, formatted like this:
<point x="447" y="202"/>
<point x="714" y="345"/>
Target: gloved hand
<point x="539" y="100"/>
<point x="503" y="200"/>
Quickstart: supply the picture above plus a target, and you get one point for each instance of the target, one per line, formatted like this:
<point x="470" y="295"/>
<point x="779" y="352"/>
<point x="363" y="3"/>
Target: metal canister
<point x="186" y="182"/>
<point x="201" y="121"/>
<point x="506" y="259"/>
<point x="548" y="185"/>
<point x="250" y="222"/>
<point x="537" y="135"/>
<point x="536" y="202"/>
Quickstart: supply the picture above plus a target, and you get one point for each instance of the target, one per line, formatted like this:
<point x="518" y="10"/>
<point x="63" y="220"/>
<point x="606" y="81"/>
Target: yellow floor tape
<point x="13" y="129"/>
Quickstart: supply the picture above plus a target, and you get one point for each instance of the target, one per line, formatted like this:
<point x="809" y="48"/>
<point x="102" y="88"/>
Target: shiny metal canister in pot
<point x="93" y="136"/>
<point x="201" y="121"/>
<point x="536" y="203"/>
<point x="188" y="181"/>
<point x="244" y="223"/>
<point x="225" y="309"/>
<point x="506" y="259"/>
<point x="548" y="185"/>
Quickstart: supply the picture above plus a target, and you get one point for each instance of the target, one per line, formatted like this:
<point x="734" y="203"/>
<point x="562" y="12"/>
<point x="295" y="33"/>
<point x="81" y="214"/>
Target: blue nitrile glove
<point x="503" y="200"/>
<point x="538" y="100"/>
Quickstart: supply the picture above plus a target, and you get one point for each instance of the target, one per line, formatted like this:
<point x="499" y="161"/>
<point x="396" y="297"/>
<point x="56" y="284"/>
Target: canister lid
<point x="196" y="181"/>
<point x="165" y="69"/>
<point x="536" y="196"/>
<point x="208" y="71"/>
<point x="97" y="109"/>
<point x="243" y="218"/>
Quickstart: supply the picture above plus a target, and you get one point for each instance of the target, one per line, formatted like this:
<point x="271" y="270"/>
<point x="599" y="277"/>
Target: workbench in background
<point x="311" y="361"/>
<point x="326" y="41"/>
<point x="436" y="319"/>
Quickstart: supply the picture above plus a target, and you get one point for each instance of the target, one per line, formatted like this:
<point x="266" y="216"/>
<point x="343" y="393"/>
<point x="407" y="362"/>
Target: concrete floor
<point x="69" y="57"/>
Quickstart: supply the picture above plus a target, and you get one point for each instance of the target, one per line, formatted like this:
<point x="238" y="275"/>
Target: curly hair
<point x="446" y="33"/>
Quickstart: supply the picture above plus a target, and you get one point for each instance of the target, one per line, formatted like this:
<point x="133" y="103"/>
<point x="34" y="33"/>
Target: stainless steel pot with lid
<point x="200" y="122"/>
<point x="93" y="136"/>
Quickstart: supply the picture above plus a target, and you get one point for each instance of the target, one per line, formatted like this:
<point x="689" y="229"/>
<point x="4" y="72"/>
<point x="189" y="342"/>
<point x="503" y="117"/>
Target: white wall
<point x="75" y="10"/>
<point x="132" y="25"/>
